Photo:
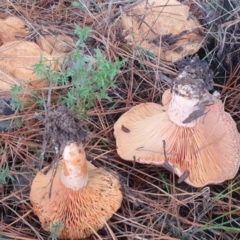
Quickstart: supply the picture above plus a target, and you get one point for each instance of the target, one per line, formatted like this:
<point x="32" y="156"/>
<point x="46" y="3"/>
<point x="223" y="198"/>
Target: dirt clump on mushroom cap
<point x="63" y="125"/>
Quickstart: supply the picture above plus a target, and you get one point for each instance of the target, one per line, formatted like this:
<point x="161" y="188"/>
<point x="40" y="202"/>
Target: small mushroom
<point x="202" y="141"/>
<point x="80" y="196"/>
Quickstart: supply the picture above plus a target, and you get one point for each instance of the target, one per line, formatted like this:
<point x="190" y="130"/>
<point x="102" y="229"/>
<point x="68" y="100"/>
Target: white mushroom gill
<point x="74" y="173"/>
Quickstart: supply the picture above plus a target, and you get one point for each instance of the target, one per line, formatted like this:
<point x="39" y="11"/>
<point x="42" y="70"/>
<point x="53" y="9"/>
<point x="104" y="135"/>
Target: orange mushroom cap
<point x="12" y="29"/>
<point x="16" y="68"/>
<point x="209" y="149"/>
<point x="151" y="23"/>
<point x="81" y="211"/>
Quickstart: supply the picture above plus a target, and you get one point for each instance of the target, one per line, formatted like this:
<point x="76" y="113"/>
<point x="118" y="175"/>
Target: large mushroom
<point x="80" y="196"/>
<point x="202" y="144"/>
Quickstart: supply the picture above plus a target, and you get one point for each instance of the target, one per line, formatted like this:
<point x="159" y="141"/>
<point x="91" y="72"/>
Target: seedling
<point x="5" y="175"/>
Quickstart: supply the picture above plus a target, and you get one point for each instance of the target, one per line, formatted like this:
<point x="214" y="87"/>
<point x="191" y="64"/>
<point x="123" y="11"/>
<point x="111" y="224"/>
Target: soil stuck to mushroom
<point x="195" y="69"/>
<point x="63" y="126"/>
<point x="197" y="77"/>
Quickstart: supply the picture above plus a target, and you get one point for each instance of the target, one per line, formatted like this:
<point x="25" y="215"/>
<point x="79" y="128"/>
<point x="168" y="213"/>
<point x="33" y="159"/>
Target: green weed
<point x="16" y="103"/>
<point x="164" y="179"/>
<point x="5" y="175"/>
<point x="89" y="76"/>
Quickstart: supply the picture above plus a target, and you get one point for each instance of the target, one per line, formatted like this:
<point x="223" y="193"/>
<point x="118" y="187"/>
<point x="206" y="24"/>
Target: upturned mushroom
<point x="82" y="197"/>
<point x="202" y="143"/>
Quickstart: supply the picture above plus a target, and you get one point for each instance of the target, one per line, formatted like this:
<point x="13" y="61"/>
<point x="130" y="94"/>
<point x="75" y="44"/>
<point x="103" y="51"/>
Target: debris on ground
<point x="221" y="22"/>
<point x="156" y="203"/>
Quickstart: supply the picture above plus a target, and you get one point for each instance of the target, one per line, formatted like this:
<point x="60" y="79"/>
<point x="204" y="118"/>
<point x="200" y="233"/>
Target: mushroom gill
<point x="209" y="150"/>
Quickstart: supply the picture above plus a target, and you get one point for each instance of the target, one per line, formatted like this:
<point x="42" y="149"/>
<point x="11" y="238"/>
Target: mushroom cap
<point x="210" y="151"/>
<point x="57" y="46"/>
<point x="153" y="22"/>
<point x="79" y="211"/>
<point x="16" y="68"/>
<point x="17" y="59"/>
<point x="11" y="29"/>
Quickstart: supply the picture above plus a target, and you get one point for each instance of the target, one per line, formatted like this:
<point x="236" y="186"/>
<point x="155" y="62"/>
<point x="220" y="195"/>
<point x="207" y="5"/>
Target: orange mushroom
<point x="82" y="197"/>
<point x="57" y="46"/>
<point x="166" y="28"/>
<point x="16" y="68"/>
<point x="12" y="29"/>
<point x="202" y="141"/>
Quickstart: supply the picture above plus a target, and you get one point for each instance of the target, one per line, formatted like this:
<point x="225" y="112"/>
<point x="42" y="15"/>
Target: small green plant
<point x="166" y="185"/>
<point x="5" y="175"/>
<point x="54" y="230"/>
<point x="89" y="77"/>
<point x="16" y="103"/>
<point x="44" y="69"/>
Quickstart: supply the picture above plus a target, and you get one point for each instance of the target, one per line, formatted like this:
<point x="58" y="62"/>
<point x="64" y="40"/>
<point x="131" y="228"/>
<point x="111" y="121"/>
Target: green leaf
<point x="5" y="175"/>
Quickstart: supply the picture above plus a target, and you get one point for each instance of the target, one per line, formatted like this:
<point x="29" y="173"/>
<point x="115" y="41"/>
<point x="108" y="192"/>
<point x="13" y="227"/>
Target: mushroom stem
<point x="74" y="173"/>
<point x="189" y="99"/>
<point x="180" y="109"/>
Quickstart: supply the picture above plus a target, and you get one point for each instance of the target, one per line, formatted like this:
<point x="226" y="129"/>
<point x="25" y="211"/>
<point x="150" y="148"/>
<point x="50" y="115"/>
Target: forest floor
<point x="154" y="205"/>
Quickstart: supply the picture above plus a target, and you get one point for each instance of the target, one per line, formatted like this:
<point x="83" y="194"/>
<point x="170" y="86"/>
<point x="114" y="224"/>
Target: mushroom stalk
<point x="189" y="100"/>
<point x="181" y="108"/>
<point x="74" y="173"/>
